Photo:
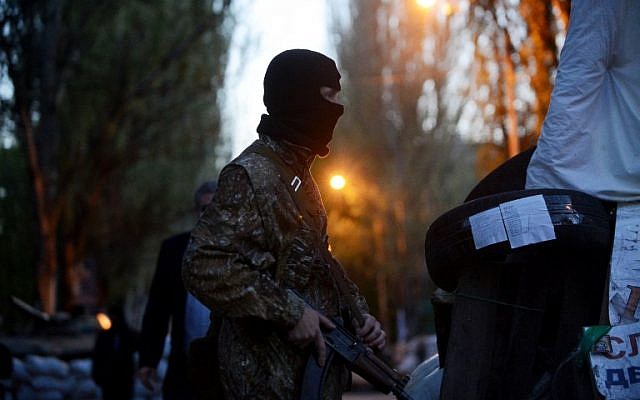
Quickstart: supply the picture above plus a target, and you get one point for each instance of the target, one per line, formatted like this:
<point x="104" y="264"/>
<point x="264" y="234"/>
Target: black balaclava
<point x="297" y="111"/>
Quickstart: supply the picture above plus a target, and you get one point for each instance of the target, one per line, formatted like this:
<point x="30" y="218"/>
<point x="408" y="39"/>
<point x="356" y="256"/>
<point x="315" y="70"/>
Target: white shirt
<point x="196" y="319"/>
<point x="590" y="138"/>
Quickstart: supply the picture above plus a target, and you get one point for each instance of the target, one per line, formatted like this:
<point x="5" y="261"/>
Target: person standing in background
<point x="112" y="367"/>
<point x="169" y="304"/>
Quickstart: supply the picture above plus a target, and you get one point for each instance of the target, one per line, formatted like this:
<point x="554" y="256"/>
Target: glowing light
<point x="338" y="182"/>
<point x="104" y="321"/>
<point x="426" y="3"/>
<point x="447" y="9"/>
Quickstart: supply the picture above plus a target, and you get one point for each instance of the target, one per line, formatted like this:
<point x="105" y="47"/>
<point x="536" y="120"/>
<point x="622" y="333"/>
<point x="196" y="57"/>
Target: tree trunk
<point x="564" y="8"/>
<point x="41" y="140"/>
<point x="48" y="264"/>
<point x="71" y="276"/>
<point x="381" y="275"/>
<point x="513" y="141"/>
<point x="400" y="252"/>
<point x="540" y="20"/>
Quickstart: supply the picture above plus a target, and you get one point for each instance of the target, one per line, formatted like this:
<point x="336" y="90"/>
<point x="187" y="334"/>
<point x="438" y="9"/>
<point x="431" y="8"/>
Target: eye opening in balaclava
<point x="297" y="110"/>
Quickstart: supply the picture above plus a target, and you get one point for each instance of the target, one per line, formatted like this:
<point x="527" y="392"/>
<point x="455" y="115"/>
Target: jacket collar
<point x="299" y="158"/>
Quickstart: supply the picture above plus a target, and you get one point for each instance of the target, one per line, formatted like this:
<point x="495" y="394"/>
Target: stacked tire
<point x="514" y="296"/>
<point x="581" y="224"/>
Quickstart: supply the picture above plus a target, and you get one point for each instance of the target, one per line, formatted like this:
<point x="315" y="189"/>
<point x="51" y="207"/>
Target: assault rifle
<point x="358" y="358"/>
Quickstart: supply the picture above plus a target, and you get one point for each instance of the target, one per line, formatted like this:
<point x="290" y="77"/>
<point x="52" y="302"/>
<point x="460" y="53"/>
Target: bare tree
<point x="516" y="55"/>
<point x="399" y="133"/>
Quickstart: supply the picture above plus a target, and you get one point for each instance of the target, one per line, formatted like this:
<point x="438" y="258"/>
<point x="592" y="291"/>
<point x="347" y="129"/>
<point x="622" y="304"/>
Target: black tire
<point x="581" y="222"/>
<point x="509" y="176"/>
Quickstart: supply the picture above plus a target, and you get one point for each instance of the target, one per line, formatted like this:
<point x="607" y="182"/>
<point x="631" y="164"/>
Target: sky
<point x="265" y="28"/>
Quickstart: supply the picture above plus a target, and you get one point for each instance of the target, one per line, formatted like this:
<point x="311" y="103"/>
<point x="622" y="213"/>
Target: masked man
<point x="259" y="257"/>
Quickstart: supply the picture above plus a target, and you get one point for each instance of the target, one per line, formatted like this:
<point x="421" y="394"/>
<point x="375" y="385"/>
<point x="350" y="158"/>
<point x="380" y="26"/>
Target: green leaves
<point x="126" y="121"/>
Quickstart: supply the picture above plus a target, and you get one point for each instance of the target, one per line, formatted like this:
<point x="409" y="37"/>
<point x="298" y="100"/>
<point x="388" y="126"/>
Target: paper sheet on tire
<point x="522" y="222"/>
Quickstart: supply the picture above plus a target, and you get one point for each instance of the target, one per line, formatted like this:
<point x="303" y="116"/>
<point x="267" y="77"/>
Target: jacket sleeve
<point x="226" y="265"/>
<point x="155" y="322"/>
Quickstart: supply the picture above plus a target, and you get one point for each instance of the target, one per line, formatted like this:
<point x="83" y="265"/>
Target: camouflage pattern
<point x="250" y="246"/>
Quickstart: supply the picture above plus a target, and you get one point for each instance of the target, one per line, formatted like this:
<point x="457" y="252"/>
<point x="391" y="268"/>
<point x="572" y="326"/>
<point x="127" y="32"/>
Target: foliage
<point x="18" y="231"/>
<point x="115" y="109"/>
<point x="416" y="81"/>
<point x="515" y="49"/>
<point x="398" y="141"/>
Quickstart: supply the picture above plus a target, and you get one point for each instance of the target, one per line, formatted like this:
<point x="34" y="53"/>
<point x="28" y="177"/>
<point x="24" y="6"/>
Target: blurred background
<point x="112" y="112"/>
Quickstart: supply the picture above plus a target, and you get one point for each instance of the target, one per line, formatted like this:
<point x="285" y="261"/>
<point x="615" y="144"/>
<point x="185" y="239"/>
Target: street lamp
<point x="104" y="321"/>
<point x="337" y="182"/>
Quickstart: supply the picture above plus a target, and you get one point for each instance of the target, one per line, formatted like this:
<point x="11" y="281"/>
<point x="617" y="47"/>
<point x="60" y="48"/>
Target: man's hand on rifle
<point x="309" y="329"/>
<point x="371" y="332"/>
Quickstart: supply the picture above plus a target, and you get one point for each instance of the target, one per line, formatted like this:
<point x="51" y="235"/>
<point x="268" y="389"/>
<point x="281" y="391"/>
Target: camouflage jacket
<point x="249" y="247"/>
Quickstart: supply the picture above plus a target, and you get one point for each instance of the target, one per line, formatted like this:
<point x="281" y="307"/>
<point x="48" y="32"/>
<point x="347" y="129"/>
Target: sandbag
<point x="49" y="366"/>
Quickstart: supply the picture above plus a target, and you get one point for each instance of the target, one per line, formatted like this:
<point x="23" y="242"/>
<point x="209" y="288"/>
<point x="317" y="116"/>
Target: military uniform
<point x="252" y="244"/>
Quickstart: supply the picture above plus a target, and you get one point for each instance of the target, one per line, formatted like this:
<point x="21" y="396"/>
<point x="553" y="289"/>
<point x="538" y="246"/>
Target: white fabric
<point x="590" y="139"/>
<point x="196" y="320"/>
<point x="426" y="380"/>
<point x="624" y="280"/>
